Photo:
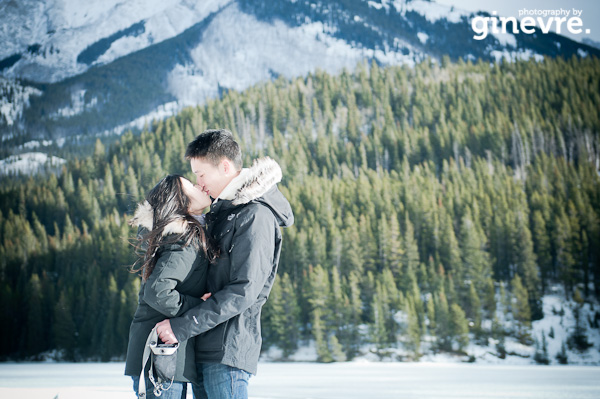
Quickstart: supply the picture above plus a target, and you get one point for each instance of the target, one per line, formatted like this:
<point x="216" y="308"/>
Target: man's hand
<point x="205" y="296"/>
<point x="165" y="333"/>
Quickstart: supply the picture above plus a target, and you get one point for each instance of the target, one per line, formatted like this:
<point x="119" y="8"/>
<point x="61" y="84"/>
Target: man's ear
<point x="226" y="166"/>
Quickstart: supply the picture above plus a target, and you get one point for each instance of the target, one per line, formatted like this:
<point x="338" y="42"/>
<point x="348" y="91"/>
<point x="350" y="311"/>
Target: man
<point x="245" y="219"/>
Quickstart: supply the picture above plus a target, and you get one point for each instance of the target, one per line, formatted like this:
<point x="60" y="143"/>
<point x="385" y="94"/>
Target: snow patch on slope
<point x="32" y="145"/>
<point x="77" y="106"/>
<point x="506" y="39"/>
<point x="29" y="163"/>
<point x="432" y="12"/>
<point x="161" y="112"/>
<point x="582" y="53"/>
<point x="515" y="55"/>
<point x="14" y="98"/>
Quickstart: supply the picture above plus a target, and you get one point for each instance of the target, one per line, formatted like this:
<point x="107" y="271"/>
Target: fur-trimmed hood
<point x="258" y="184"/>
<point x="253" y="182"/>
<point x="144" y="217"/>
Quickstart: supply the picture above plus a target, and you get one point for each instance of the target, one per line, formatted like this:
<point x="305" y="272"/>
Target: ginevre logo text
<point x="544" y="20"/>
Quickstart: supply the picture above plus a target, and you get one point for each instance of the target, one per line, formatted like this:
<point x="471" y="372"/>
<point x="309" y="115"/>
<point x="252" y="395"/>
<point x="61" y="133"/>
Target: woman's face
<point x="198" y="198"/>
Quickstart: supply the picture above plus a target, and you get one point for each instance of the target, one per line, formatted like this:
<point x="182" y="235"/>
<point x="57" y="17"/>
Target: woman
<point x="174" y="256"/>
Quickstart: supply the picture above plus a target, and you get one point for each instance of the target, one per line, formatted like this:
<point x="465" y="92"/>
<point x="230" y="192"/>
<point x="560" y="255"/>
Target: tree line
<point x="434" y="205"/>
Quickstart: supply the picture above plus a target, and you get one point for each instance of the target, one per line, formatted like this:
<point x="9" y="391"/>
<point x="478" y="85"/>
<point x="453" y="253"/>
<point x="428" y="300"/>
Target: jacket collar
<point x="253" y="182"/>
<point x="144" y="217"/>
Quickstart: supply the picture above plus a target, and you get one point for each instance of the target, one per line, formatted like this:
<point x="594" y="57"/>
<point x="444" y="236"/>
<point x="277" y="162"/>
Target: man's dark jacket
<point x="245" y="221"/>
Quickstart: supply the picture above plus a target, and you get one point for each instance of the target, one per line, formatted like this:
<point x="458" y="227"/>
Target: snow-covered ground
<point x="353" y="380"/>
<point x="557" y="325"/>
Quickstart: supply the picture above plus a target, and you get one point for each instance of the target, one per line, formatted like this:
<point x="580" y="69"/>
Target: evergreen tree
<point x="379" y="329"/>
<point x="336" y="350"/>
<point x="525" y="261"/>
<point x="109" y="339"/>
<point x="473" y="308"/>
<point x="35" y="342"/>
<point x="320" y="336"/>
<point x="410" y="256"/>
<point x="449" y="249"/>
<point x="473" y="255"/>
<point x="562" y="355"/>
<point x="391" y="250"/>
<point x="443" y="330"/>
<point x="521" y="310"/>
<point x="489" y="299"/>
<point x="578" y="339"/>
<point x="542" y="248"/>
<point x="565" y="261"/>
<point x="281" y="317"/>
<point x="64" y="330"/>
<point x="459" y="326"/>
<point x="541" y="353"/>
<point x="413" y="328"/>
<point x="354" y="316"/>
<point x="431" y="315"/>
<point x="352" y="257"/>
<point x="273" y="316"/>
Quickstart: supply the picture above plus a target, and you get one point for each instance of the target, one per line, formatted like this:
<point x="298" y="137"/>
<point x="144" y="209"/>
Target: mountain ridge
<point x="241" y="43"/>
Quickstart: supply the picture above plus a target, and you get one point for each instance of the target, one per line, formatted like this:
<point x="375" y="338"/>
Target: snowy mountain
<point x="91" y="67"/>
<point x="48" y="41"/>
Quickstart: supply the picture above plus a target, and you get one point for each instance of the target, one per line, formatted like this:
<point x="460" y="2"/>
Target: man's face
<point x="210" y="178"/>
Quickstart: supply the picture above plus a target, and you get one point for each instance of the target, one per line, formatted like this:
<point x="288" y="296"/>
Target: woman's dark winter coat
<point x="175" y="286"/>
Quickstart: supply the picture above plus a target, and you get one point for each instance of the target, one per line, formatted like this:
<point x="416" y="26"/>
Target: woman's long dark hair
<point x="169" y="204"/>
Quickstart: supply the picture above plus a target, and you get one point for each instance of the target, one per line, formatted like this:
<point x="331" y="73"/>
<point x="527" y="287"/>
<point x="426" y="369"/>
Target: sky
<point x="510" y="8"/>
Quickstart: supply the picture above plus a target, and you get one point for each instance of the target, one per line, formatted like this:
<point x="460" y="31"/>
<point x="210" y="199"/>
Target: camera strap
<point x="150" y="349"/>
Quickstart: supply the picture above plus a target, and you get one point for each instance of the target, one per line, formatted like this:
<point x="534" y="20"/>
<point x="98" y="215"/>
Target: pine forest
<point x="431" y="202"/>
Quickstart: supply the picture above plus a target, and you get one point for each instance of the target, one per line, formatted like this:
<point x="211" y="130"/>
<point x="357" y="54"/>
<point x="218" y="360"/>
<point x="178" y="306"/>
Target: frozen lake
<point x="324" y="381"/>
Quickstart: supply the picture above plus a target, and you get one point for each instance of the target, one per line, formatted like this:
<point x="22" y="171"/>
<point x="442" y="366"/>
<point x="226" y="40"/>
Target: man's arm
<point x="251" y="257"/>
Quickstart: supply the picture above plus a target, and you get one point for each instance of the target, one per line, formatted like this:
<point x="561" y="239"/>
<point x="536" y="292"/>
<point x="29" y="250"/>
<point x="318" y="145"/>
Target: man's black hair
<point x="213" y="145"/>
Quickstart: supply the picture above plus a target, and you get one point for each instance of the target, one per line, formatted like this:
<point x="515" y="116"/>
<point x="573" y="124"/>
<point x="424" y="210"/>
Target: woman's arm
<point x="173" y="266"/>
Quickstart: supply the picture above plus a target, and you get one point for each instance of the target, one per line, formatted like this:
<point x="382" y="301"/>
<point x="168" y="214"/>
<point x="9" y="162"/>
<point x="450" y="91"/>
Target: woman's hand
<point x="205" y="296"/>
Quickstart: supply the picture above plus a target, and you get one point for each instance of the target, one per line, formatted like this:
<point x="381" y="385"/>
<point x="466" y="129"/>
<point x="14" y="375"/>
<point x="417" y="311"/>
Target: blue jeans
<point x="177" y="391"/>
<point x="219" y="381"/>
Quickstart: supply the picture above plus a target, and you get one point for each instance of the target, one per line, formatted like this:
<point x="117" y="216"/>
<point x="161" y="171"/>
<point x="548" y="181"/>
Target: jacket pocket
<point x="212" y="340"/>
